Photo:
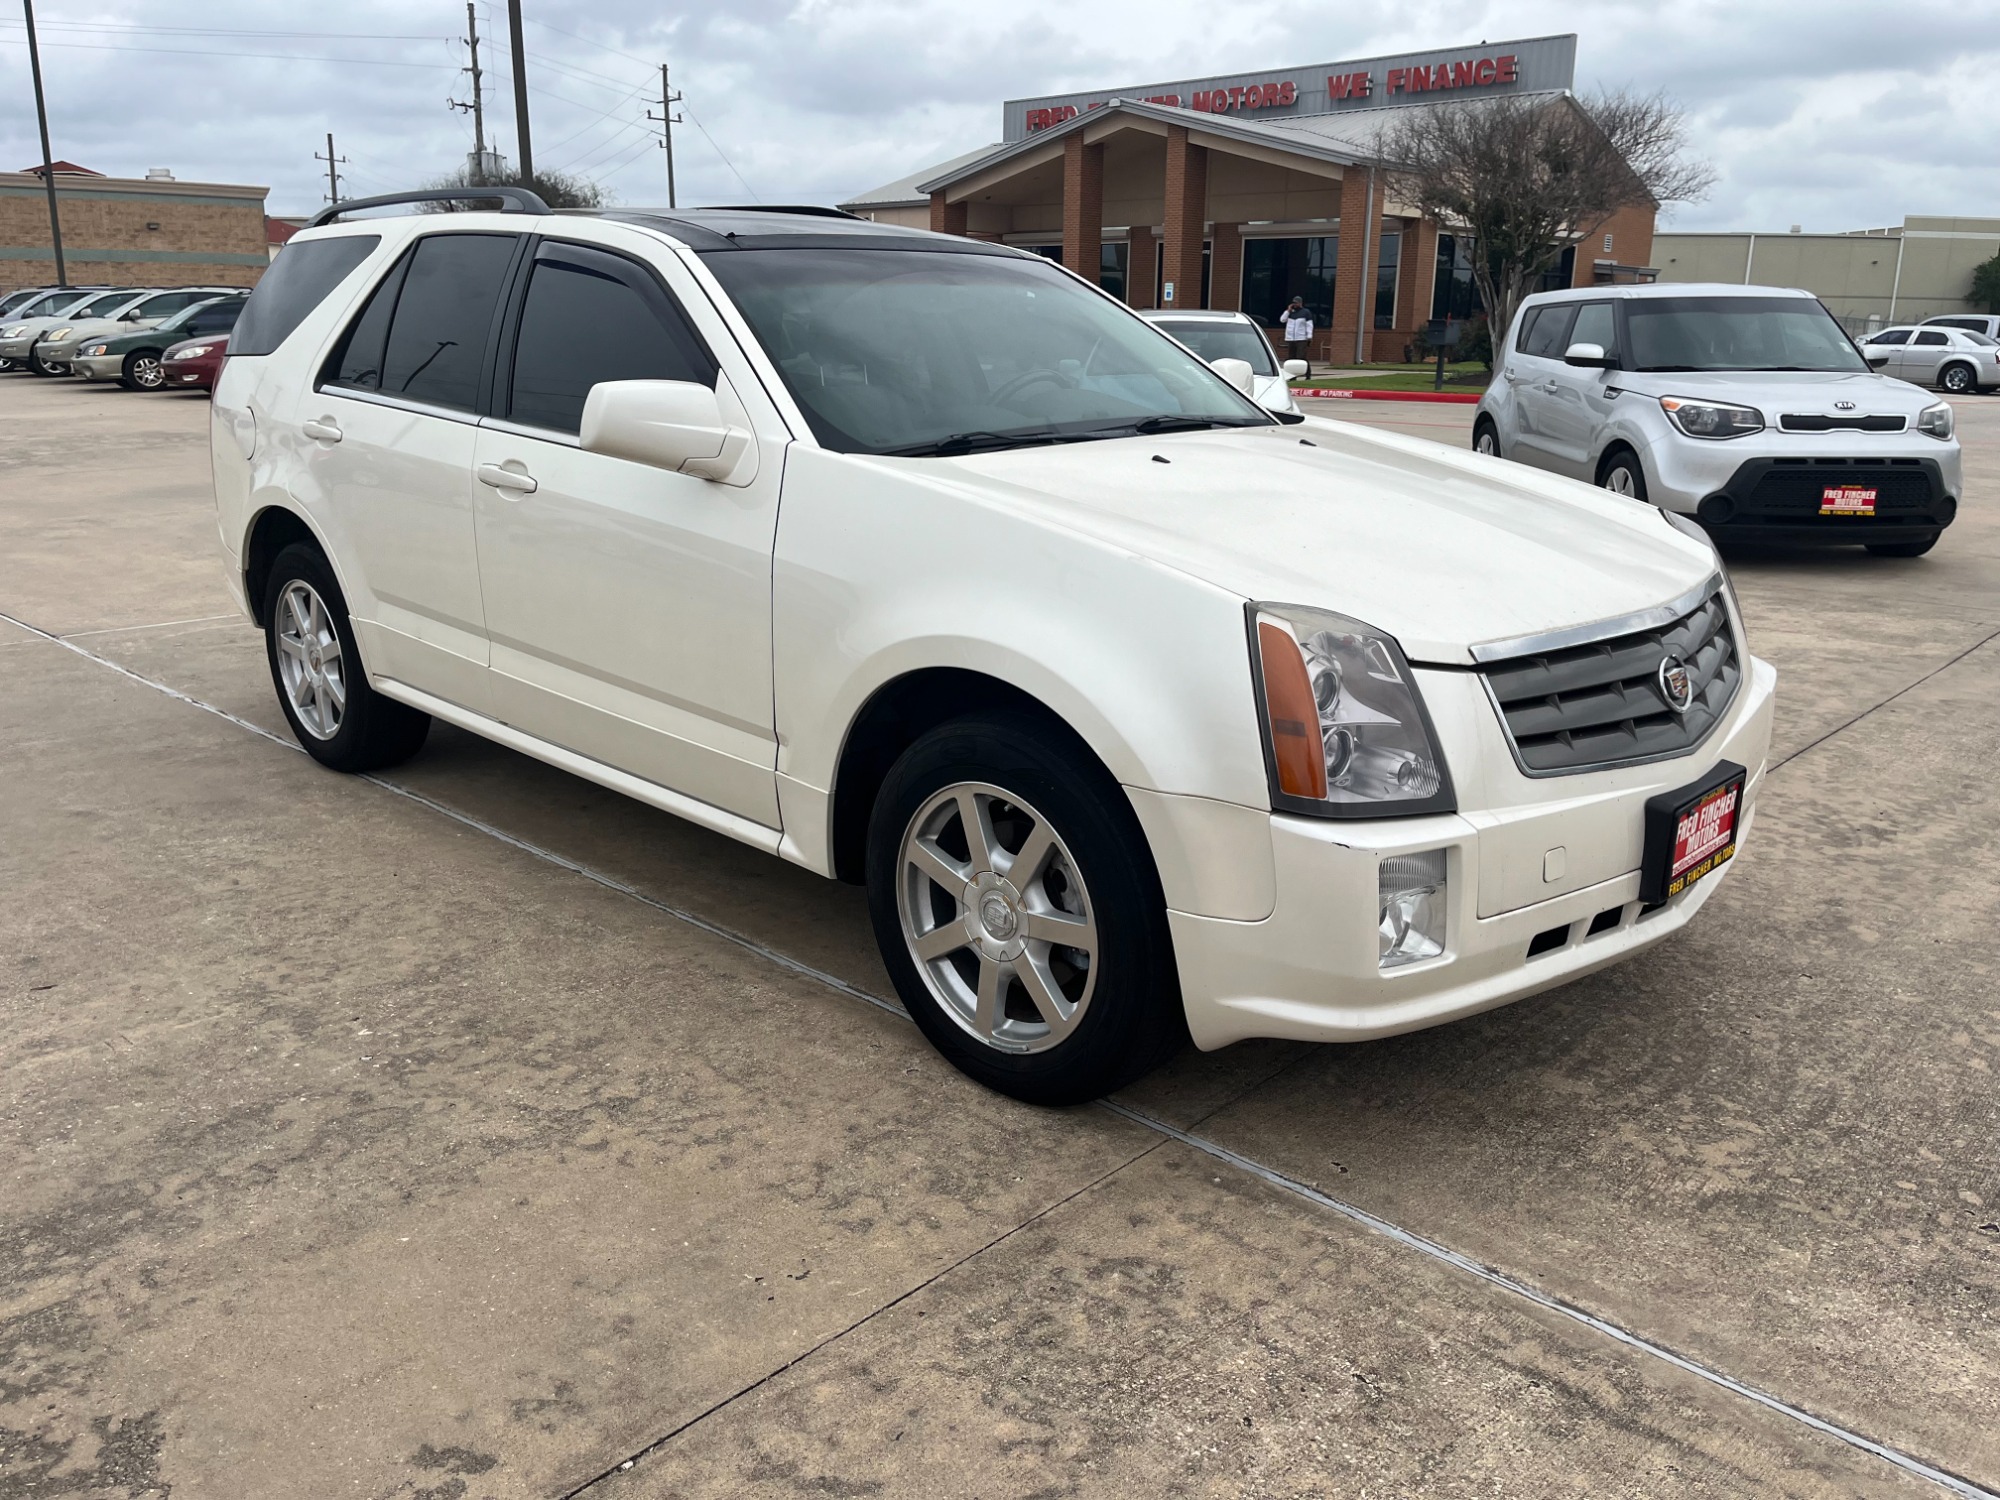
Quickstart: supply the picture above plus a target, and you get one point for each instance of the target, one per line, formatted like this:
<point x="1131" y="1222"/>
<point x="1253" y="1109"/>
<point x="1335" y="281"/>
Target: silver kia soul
<point x="1746" y="407"/>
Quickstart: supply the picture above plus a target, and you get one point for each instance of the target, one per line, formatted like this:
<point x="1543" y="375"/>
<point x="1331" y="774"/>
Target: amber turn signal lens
<point x="1292" y="713"/>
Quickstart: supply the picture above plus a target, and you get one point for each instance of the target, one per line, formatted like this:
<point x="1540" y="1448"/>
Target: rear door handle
<point x="503" y="478"/>
<point x="324" y="428"/>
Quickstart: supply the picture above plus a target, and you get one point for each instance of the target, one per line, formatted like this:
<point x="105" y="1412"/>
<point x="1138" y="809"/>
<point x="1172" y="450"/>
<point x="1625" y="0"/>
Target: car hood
<point x="32" y="325"/>
<point x="1772" y="391"/>
<point x="1442" y="548"/>
<point x="93" y="328"/>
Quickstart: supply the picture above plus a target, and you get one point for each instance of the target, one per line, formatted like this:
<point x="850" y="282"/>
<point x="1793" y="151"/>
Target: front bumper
<point x="16" y="349"/>
<point x="1311" y="970"/>
<point x="1766" y="487"/>
<point x="98" y="367"/>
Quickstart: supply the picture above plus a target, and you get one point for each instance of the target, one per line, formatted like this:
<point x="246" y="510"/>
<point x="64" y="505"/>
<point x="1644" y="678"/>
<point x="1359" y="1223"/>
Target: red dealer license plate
<point x="1690" y="833"/>
<point x="1846" y="500"/>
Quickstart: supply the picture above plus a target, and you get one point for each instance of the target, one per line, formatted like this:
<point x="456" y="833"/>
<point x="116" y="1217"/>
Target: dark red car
<point x="193" y="364"/>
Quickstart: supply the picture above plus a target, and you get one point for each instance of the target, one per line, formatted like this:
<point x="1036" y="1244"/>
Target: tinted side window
<point x="1896" y="336"/>
<point x="590" y="317"/>
<point x="1548" y="335"/>
<point x="1595" y="324"/>
<point x="1930" y="338"/>
<point x="297" y="282"/>
<point x="437" y="339"/>
<point x="357" y="359"/>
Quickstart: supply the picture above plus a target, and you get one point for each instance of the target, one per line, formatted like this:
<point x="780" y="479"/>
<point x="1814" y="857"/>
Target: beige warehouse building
<point x="131" y="231"/>
<point x="1868" y="278"/>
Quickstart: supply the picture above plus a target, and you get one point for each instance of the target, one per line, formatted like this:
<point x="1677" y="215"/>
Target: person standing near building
<point x="1298" y="330"/>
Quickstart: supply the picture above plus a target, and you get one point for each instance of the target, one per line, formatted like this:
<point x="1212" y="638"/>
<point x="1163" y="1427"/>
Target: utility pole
<point x="48" y="157"/>
<point x="478" y="104"/>
<point x="333" y="165"/>
<point x="667" y="121"/>
<point x="520" y="89"/>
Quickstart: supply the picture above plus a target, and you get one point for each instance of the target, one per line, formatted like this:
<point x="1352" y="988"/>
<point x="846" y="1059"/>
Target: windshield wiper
<point x="976" y="442"/>
<point x="1151" y="425"/>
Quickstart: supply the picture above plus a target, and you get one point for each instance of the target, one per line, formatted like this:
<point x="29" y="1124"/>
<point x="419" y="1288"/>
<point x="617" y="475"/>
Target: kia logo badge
<point x="1843" y="406"/>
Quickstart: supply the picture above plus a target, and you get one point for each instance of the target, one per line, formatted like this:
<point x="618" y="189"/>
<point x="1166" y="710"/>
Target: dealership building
<point x="1243" y="191"/>
<point x="131" y="231"/>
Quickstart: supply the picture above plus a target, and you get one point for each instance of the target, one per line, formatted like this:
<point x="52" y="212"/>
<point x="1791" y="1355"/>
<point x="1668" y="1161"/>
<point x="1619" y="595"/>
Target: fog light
<point x="1411" y="889"/>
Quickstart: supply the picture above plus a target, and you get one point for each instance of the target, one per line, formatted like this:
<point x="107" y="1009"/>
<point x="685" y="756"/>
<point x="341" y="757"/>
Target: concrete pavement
<point x="351" y="1148"/>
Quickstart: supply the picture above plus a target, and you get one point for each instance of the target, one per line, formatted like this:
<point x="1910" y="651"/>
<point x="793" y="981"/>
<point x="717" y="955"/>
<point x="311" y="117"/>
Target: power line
<point x="578" y="36"/>
<point x="115" y="27"/>
<point x="725" y="160"/>
<point x="364" y="62"/>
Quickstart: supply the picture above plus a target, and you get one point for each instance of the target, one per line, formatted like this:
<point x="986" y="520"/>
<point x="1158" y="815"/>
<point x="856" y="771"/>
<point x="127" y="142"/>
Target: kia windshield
<point x="927" y="352"/>
<point x="1217" y="338"/>
<point x="1736" y="333"/>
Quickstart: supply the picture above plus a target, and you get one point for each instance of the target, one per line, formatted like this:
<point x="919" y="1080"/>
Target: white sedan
<point x="1236" y="346"/>
<point x="922" y="564"/>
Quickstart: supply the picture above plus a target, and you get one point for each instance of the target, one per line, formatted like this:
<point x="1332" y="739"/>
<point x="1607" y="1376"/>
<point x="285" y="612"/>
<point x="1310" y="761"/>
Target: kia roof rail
<point x="513" y="200"/>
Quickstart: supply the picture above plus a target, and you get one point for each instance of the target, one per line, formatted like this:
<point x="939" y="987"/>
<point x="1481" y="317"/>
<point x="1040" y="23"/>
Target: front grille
<point x="1791" y="487"/>
<point x="1811" y="422"/>
<point x="1602" y="704"/>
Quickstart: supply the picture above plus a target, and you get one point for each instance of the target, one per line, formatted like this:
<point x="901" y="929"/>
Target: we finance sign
<point x="1528" y="66"/>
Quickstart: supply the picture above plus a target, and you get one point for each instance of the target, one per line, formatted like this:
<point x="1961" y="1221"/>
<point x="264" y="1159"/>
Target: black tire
<point x="7" y="366"/>
<point x="1130" y="1018"/>
<point x="142" y="371"/>
<point x="1627" y="465"/>
<point x="1905" y="549"/>
<point x="1956" y="379"/>
<point x="36" y="366"/>
<point x="1486" y="437"/>
<point x="370" y="731"/>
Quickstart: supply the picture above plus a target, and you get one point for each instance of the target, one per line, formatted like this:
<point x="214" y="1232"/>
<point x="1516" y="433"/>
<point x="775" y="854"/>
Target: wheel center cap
<point x="997" y="916"/>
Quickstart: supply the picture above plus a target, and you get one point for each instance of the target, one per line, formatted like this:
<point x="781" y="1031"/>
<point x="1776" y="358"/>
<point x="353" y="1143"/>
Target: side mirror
<point x="1295" y="369"/>
<point x="1237" y="372"/>
<point x="669" y="424"/>
<point x="1589" y="356"/>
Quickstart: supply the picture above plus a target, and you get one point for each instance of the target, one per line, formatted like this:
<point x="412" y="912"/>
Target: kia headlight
<point x="1345" y="732"/>
<point x="1935" y="421"/>
<point x="1711" y="419"/>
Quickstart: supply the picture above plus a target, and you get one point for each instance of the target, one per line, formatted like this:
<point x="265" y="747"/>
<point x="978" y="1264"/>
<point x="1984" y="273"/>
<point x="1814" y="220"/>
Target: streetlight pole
<point x="520" y="89"/>
<point x="48" y="156"/>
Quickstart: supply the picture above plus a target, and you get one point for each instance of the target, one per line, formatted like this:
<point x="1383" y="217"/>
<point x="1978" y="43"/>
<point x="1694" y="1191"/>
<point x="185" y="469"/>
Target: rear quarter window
<point x="297" y="282"/>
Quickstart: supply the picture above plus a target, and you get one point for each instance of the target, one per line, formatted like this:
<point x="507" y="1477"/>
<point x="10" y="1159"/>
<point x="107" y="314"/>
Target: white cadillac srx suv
<point x="1142" y="712"/>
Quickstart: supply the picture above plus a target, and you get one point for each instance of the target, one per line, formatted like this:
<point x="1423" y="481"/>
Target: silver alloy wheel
<point x="147" y="371"/>
<point x="1619" y="481"/>
<point x="1957" y="380"/>
<point x="310" y="663"/>
<point x="997" y="918"/>
<point x="1486" y="443"/>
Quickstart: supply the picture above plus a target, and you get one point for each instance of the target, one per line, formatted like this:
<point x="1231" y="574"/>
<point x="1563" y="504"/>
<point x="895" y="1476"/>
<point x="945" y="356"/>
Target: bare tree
<point x="1527" y="177"/>
<point x="557" y="189"/>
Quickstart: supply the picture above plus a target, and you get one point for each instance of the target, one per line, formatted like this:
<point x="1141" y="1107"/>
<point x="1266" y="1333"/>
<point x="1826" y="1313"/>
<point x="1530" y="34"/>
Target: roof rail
<point x="514" y="200"/>
<point x="811" y="210"/>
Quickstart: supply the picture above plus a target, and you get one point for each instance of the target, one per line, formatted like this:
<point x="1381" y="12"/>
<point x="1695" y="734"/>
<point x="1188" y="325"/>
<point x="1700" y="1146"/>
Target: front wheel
<point x="1018" y="912"/>
<point x="1904" y="549"/>
<point x="339" y="719"/>
<point x="1956" y="379"/>
<point x="1623" y="476"/>
<point x="41" y="367"/>
<point x="143" y="371"/>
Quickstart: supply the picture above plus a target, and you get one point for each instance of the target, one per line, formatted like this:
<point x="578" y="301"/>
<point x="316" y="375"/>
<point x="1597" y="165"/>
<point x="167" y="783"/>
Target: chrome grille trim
<point x="1597" y="704"/>
<point x="1596" y="630"/>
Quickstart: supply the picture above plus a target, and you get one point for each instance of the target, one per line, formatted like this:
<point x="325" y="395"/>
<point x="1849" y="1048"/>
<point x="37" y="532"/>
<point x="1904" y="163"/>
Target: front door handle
<point x="500" y="477"/>
<point x="324" y="428"/>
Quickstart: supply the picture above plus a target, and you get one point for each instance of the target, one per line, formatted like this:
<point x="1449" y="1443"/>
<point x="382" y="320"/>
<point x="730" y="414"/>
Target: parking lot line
<point x="154" y="625"/>
<point x="1432" y="1249"/>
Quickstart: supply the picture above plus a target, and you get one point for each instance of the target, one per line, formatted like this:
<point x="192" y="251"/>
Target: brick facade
<point x="1631" y="231"/>
<point x="1185" y="223"/>
<point x="947" y="218"/>
<point x="1083" y="207"/>
<point x="1225" y="267"/>
<point x="132" y="232"/>
<point x="1141" y="258"/>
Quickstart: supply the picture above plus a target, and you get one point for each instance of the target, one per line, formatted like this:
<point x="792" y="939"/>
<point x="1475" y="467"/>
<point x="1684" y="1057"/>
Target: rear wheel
<point x="1486" y="437"/>
<point x="339" y="719"/>
<point x="1905" y="549"/>
<point x="143" y="371"/>
<point x="1016" y="907"/>
<point x="1956" y="379"/>
<point x="1623" y="476"/>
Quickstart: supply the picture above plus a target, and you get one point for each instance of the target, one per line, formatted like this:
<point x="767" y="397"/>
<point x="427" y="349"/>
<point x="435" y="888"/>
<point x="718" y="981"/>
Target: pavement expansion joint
<point x="1409" y="1239"/>
<point x="1983" y="641"/>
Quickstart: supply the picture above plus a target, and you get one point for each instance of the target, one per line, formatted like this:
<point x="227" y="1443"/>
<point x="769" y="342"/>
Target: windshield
<point x="1213" y="339"/>
<point x="102" y="306"/>
<point x="1735" y="333"/>
<point x="214" y="312"/>
<point x="925" y="352"/>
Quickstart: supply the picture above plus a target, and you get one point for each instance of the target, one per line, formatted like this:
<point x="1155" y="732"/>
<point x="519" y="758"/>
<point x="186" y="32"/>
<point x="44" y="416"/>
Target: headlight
<point x="195" y="353"/>
<point x="1935" y="421"/>
<point x="15" y="332"/>
<point x="1345" y="732"/>
<point x="57" y="336"/>
<point x="96" y="349"/>
<point x="1711" y="419"/>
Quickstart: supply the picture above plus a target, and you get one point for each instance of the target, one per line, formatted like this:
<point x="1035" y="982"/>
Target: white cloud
<point x="1827" y="114"/>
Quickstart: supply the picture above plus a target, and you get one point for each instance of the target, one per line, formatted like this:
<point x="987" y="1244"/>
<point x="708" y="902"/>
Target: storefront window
<point x="1385" y="278"/>
<point x="1455" y="296"/>
<point x="1275" y="271"/>
<point x="1111" y="263"/>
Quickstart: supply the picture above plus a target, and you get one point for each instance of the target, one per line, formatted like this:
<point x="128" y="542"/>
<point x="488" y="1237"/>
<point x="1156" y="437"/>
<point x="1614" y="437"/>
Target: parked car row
<point x="1954" y="358"/>
<point x="144" y="338"/>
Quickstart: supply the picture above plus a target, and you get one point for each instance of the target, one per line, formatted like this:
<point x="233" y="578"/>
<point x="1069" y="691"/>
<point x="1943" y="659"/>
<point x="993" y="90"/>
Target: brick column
<point x="1083" y="207"/>
<point x="1415" y="282"/>
<point x="1360" y="233"/>
<point x="947" y="218"/>
<point x="1225" y="267"/>
<point x="1139" y="258"/>
<point x="1187" y="217"/>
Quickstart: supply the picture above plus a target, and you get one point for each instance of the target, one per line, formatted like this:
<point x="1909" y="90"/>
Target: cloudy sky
<point x="1827" y="113"/>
